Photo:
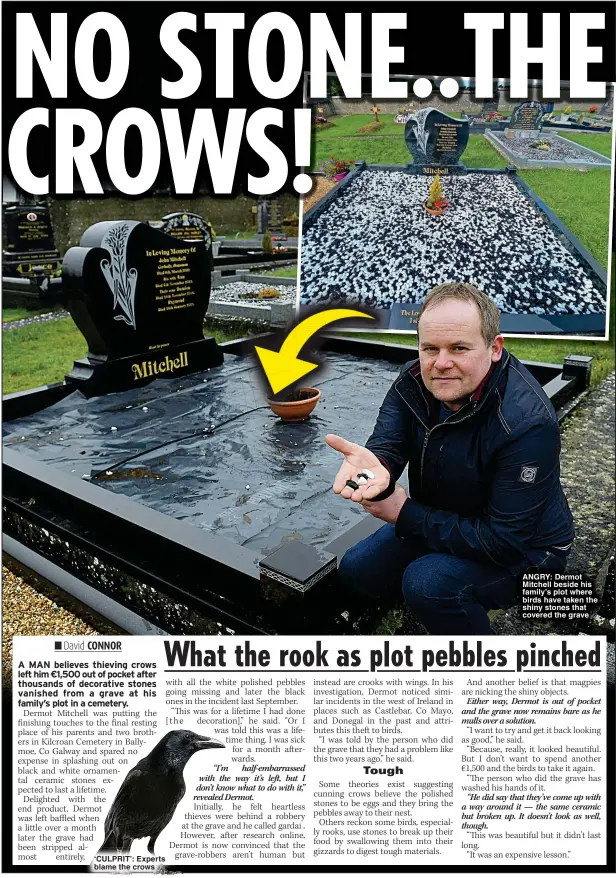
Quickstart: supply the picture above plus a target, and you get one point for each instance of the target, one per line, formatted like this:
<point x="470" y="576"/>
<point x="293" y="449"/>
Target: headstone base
<point x="527" y="133"/>
<point x="45" y="264"/>
<point x="95" y="376"/>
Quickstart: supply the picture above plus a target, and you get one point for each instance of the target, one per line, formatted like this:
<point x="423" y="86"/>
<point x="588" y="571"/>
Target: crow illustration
<point x="151" y="791"/>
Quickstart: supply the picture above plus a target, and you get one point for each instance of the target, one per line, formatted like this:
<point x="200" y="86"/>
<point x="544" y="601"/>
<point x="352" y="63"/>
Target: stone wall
<point x="463" y="102"/>
<point x="344" y="106"/>
<point x="70" y="217"/>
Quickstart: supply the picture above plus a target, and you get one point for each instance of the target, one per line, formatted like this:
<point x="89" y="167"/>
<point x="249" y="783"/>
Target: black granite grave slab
<point x="139" y="297"/>
<point x="434" y="138"/>
<point x="30" y="248"/>
<point x="293" y="570"/>
<point x="190" y="504"/>
<point x="207" y="449"/>
<point x="574" y="126"/>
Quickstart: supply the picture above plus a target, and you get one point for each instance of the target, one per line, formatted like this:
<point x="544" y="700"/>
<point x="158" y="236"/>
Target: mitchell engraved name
<point x="147" y="368"/>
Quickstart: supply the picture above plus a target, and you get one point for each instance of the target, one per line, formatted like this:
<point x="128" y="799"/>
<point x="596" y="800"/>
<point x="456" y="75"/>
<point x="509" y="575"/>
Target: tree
<point x="435" y="198"/>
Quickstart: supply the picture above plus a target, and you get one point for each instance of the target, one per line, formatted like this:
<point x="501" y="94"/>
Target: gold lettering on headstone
<point x="149" y="368"/>
<point x="174" y="286"/>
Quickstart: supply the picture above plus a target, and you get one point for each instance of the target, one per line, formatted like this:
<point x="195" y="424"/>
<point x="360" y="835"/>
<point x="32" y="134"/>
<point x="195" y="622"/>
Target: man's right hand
<point x="356" y="460"/>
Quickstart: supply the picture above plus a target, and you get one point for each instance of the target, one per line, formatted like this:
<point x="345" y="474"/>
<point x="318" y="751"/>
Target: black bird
<point x="151" y="791"/>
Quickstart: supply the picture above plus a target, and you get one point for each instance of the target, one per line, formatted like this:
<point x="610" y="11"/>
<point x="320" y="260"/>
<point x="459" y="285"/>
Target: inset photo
<point x="512" y="196"/>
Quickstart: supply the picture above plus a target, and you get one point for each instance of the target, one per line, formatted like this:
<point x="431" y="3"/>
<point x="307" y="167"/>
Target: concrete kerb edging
<point x="276" y="314"/>
<point x="245" y="276"/>
<point x="537" y="164"/>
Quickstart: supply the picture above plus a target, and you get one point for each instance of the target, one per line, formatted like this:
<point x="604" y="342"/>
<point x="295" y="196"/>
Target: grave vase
<point x="435" y="211"/>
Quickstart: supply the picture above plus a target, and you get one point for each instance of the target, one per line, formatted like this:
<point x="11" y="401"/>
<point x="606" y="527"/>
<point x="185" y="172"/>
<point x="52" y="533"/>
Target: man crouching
<point x="482" y="445"/>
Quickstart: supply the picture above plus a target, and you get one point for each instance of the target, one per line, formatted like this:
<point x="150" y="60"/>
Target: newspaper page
<point x="308" y="438"/>
<point x="315" y="751"/>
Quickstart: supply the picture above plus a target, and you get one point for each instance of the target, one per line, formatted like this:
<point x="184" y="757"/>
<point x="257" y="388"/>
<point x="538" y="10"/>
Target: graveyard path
<point x="49" y="317"/>
<point x="320" y="189"/>
<point x="31" y="607"/>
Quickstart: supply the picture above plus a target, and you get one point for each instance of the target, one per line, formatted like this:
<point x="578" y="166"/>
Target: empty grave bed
<point x="187" y="507"/>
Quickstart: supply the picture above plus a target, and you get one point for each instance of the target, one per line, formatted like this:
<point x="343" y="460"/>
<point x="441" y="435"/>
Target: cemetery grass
<point x="348" y="126"/>
<point x="289" y="271"/>
<point x="236" y="236"/>
<point x="43" y="353"/>
<point x="392" y="151"/>
<point x="539" y="350"/>
<point x="581" y="199"/>
<point x="40" y="354"/>
<point x="599" y="142"/>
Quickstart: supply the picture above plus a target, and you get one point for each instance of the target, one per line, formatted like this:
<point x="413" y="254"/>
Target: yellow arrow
<point x="283" y="367"/>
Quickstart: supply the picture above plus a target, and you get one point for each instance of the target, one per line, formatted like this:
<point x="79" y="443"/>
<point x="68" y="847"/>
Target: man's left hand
<point x="389" y="509"/>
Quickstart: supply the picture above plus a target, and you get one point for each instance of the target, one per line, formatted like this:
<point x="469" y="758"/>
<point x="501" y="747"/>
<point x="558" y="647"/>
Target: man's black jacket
<point x="485" y="483"/>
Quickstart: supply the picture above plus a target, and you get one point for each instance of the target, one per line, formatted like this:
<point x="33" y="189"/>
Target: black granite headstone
<point x="434" y="138"/>
<point x="527" y="116"/>
<point x="490" y="107"/>
<point x="30" y="248"/>
<point x="139" y="297"/>
<point x="188" y="227"/>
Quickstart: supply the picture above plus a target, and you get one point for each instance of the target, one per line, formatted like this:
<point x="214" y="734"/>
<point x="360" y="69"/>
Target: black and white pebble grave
<point x="371" y="243"/>
<point x="139" y="297"/>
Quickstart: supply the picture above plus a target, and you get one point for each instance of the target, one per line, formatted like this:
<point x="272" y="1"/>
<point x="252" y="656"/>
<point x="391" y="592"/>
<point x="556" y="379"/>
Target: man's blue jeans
<point x="448" y="594"/>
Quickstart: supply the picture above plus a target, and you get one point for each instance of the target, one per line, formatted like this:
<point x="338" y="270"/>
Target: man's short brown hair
<point x="489" y="314"/>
